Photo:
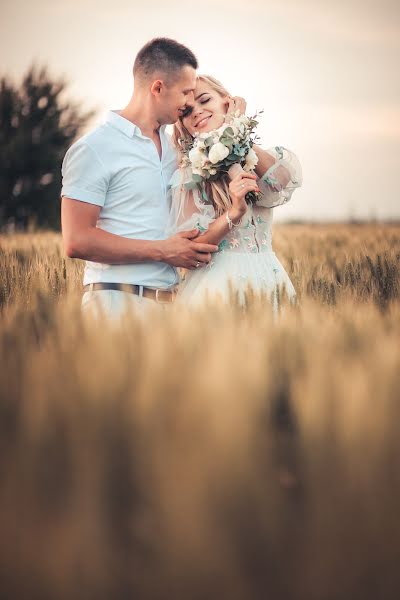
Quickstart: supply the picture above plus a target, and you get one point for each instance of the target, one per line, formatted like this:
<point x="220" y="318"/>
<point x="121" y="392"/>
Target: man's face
<point x="176" y="97"/>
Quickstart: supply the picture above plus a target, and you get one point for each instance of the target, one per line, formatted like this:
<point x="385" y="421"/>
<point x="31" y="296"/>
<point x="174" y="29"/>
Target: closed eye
<point x="189" y="109"/>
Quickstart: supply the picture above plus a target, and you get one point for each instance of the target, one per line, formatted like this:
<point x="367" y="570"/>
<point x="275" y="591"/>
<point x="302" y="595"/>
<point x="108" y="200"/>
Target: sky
<point x="325" y="72"/>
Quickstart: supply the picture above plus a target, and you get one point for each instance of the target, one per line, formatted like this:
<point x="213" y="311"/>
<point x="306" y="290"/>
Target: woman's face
<point x="207" y="112"/>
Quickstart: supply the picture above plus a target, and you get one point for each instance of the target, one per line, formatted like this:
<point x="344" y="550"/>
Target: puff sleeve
<point x="281" y="179"/>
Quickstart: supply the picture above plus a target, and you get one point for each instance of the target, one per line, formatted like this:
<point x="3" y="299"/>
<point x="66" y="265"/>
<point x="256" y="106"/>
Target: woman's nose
<point x="197" y="110"/>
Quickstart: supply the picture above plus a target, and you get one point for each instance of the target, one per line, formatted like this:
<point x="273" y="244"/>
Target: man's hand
<point x="181" y="251"/>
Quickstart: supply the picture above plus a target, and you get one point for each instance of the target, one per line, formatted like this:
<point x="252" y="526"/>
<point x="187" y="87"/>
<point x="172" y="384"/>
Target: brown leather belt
<point x="159" y="295"/>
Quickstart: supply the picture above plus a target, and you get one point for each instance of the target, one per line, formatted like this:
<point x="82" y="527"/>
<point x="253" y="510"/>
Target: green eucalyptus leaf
<point x="229" y="132"/>
<point x="226" y="142"/>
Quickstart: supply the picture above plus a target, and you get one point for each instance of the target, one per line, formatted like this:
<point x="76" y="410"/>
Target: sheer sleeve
<point x="282" y="178"/>
<point x="188" y="209"/>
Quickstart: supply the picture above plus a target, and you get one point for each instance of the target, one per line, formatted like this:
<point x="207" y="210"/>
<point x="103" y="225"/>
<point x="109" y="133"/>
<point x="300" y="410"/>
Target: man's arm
<point x="82" y="239"/>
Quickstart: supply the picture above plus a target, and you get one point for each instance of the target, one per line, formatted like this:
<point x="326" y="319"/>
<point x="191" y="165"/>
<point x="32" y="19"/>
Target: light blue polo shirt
<point x="116" y="167"/>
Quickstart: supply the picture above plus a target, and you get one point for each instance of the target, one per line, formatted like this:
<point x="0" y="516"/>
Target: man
<point x="115" y="199"/>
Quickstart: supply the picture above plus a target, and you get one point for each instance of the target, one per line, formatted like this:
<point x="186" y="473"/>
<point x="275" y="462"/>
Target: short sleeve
<point x="83" y="175"/>
<point x="188" y="209"/>
<point x="282" y="178"/>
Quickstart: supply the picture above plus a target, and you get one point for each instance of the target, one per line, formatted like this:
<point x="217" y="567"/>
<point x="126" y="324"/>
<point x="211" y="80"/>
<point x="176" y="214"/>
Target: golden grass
<point x="220" y="454"/>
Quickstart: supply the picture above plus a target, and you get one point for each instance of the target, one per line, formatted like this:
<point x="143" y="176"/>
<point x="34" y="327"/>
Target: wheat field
<point x="217" y="454"/>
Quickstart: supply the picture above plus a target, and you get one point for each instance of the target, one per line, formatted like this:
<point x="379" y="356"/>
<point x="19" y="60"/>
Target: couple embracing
<point x="137" y="205"/>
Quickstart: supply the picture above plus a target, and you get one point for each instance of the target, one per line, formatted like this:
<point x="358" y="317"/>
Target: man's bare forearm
<point x="97" y="245"/>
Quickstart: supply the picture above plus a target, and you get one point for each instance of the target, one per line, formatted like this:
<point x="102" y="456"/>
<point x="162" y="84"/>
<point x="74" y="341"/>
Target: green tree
<point x="36" y="127"/>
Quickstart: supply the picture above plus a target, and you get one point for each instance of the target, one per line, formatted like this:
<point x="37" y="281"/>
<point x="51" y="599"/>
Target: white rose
<point x="251" y="160"/>
<point x="203" y="136"/>
<point x="196" y="158"/>
<point x="218" y="152"/>
<point x="198" y="172"/>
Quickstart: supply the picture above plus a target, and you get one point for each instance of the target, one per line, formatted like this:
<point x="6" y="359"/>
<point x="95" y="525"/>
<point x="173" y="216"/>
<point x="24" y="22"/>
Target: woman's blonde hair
<point x="217" y="191"/>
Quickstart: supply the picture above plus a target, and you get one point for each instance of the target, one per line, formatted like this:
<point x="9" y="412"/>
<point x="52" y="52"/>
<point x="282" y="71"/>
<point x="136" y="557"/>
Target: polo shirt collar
<point x="127" y="127"/>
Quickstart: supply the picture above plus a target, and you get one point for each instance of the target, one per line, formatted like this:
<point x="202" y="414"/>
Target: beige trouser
<point x="113" y="303"/>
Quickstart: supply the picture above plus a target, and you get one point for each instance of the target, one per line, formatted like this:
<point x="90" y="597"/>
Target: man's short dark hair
<point x="165" y="55"/>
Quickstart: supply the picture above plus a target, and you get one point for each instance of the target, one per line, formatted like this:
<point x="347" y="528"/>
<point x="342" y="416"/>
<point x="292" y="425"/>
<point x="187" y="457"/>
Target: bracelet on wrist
<point x="231" y="223"/>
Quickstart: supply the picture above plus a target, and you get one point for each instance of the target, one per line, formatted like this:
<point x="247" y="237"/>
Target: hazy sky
<point x="326" y="73"/>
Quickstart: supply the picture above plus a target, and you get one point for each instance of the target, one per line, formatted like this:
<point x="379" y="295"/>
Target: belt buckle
<point x="157" y="299"/>
<point x="164" y="301"/>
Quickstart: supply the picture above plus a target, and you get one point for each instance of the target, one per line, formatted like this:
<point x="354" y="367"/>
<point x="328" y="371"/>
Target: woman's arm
<point x="277" y="176"/>
<point x="281" y="179"/>
<point x="265" y="162"/>
<point x="218" y="229"/>
<point x="265" y="159"/>
<point x="241" y="184"/>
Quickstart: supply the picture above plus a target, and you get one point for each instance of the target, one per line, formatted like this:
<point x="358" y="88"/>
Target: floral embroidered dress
<point x="245" y="254"/>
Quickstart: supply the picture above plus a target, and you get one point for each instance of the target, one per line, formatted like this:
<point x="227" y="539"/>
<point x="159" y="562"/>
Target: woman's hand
<point x="242" y="183"/>
<point x="236" y="103"/>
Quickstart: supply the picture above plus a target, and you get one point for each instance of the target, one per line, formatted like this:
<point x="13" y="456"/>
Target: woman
<point x="243" y="232"/>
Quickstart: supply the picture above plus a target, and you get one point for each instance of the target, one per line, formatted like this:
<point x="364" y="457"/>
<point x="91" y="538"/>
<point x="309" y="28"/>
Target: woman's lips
<point x="201" y="123"/>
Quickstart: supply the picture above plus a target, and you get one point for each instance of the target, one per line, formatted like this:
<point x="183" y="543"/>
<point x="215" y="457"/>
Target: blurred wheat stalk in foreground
<point x="208" y="455"/>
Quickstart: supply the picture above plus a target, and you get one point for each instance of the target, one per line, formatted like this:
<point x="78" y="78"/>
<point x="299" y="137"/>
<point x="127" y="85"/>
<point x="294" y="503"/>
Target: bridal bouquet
<point x="214" y="153"/>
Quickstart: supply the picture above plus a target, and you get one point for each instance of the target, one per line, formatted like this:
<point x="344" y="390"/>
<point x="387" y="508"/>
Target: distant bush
<point x="36" y="128"/>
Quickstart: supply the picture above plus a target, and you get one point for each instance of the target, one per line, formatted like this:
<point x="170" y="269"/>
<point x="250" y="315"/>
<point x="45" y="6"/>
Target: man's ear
<point x="156" y="87"/>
